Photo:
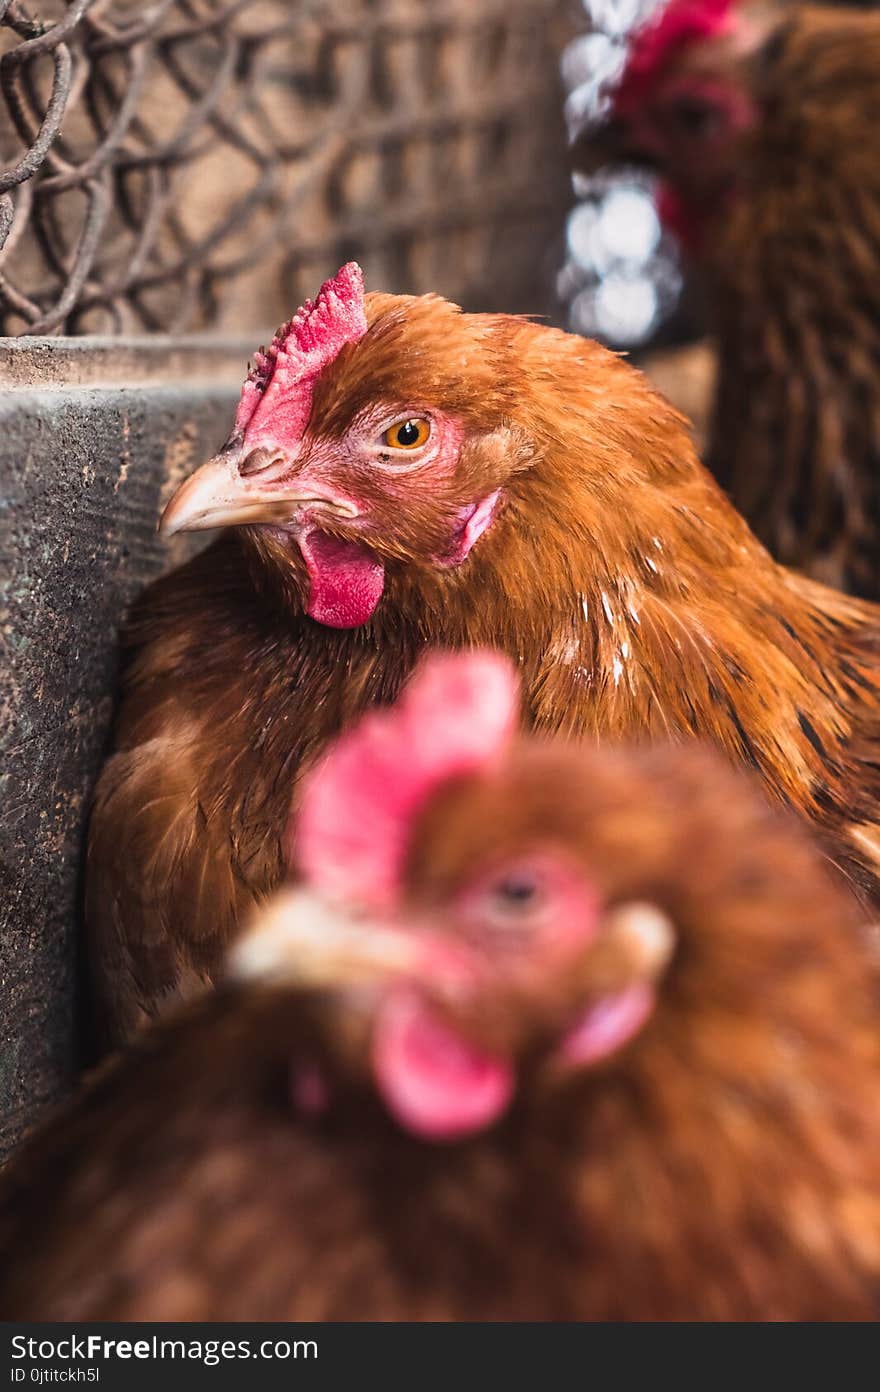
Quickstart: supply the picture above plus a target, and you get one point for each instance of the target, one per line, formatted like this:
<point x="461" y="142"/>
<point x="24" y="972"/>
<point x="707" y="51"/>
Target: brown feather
<point x="724" y="1165"/>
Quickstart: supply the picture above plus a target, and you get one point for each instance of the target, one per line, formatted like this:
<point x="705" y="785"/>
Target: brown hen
<point x="760" y="119"/>
<point x="613" y="1055"/>
<point x="557" y="511"/>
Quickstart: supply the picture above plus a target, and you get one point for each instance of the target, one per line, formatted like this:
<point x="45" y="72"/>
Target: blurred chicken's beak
<point x="301" y="939"/>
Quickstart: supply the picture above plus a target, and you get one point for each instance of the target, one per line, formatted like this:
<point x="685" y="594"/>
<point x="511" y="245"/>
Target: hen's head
<point x="370" y="435"/>
<point x="685" y="106"/>
<point x="496" y="919"/>
<point x="448" y="1015"/>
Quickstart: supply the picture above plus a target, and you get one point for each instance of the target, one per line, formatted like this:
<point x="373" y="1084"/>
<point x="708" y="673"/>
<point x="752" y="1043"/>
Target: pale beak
<point x="302" y="939"/>
<point x="222" y="493"/>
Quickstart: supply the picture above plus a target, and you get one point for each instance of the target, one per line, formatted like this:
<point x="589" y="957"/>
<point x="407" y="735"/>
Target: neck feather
<point x="637" y="602"/>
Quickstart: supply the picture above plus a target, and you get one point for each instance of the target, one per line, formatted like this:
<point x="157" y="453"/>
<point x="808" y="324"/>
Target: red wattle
<point x="435" y="1083"/>
<point x="346" y="580"/>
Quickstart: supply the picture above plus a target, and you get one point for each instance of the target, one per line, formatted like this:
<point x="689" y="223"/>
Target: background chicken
<point x="611" y="1052"/>
<point x="760" y="120"/>
<point x="402" y="473"/>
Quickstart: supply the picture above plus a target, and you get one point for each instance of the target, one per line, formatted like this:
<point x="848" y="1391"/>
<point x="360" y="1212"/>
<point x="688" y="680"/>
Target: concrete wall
<point x="94" y="436"/>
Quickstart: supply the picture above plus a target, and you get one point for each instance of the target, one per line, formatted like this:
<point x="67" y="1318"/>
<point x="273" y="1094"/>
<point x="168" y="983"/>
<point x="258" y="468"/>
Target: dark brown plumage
<point x="761" y="125"/>
<point x="724" y="1164"/>
<point x="635" y="599"/>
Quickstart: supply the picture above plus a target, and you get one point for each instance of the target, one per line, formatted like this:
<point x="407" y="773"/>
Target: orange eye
<point x="407" y="435"/>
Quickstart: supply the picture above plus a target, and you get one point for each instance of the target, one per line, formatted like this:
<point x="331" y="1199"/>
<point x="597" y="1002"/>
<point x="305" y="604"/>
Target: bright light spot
<point x="585" y="57"/>
<point x="579" y="109"/>
<point x="620" y="279"/>
<point x="667" y="278"/>
<point x="582" y="184"/>
<point x="590" y="66"/>
<point x="625" y="308"/>
<point x="581" y="232"/>
<point x="582" y="313"/>
<point x="628" y="224"/>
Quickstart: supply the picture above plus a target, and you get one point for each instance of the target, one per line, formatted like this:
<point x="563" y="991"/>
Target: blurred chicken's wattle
<point x="607" y="1025"/>
<point x="434" y="1082"/>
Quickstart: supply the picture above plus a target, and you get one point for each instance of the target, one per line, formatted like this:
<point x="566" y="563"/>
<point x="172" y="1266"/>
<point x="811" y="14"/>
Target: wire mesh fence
<point x="191" y="163"/>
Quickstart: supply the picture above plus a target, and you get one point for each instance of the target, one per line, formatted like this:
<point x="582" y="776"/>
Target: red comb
<point x="456" y="716"/>
<point x="668" y="31"/>
<point x="277" y="394"/>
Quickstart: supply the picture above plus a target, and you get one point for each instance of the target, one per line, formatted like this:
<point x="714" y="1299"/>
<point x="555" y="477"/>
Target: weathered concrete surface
<point x="94" y="435"/>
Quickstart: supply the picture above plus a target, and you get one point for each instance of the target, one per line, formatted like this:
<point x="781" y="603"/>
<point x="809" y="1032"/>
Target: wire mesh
<point x="190" y="163"/>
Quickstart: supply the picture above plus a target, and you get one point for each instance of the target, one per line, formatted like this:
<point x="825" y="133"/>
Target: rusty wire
<point x="188" y="163"/>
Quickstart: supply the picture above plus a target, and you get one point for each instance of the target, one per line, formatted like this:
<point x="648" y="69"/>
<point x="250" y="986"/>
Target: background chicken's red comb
<point x="350" y="837"/>
<point x="283" y="375"/>
<point x="671" y="29"/>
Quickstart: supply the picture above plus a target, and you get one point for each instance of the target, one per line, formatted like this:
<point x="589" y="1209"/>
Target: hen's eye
<point x="517" y="893"/>
<point x="697" y="117"/>
<point x="407" y="435"/>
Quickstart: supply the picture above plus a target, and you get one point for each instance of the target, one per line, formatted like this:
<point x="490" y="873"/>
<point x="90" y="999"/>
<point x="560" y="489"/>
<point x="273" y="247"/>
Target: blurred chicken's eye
<point x="517" y="893"/>
<point x="512" y="907"/>
<point x="407" y="435"/>
<point x="696" y="117"/>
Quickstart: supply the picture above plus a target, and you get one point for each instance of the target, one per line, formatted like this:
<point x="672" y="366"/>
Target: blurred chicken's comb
<point x="664" y="34"/>
<point x="280" y="383"/>
<point x="350" y="837"/>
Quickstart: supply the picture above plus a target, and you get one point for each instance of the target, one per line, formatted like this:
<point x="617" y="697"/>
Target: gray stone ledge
<point x="95" y="434"/>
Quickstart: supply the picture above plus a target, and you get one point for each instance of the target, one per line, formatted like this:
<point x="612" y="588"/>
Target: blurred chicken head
<point x="684" y="106"/>
<point x="513" y="965"/>
<point x="445" y="1022"/>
